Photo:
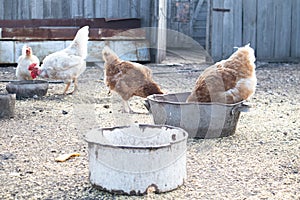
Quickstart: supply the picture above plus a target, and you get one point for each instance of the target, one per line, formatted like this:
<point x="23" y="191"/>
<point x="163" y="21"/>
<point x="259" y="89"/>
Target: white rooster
<point x="27" y="58"/>
<point x="67" y="64"/>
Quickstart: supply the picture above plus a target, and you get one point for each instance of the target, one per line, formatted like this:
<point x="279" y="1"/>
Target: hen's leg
<point x="126" y="107"/>
<point x="75" y="86"/>
<point x="67" y="87"/>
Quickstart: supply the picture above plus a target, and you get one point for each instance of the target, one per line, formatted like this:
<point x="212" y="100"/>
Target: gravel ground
<point x="260" y="161"/>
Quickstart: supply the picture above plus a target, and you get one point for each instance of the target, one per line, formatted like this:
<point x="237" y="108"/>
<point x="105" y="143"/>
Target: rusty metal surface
<point x="69" y="33"/>
<point x="47" y="36"/>
<point x="123" y="23"/>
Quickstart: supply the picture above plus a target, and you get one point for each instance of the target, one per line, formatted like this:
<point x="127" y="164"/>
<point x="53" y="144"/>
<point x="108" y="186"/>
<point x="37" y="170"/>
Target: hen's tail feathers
<point x="80" y="41"/>
<point x="109" y="55"/>
<point x="246" y="51"/>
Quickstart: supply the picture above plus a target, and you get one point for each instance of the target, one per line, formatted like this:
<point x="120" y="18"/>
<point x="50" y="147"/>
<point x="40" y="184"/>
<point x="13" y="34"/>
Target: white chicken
<point x="67" y="64"/>
<point x="27" y="58"/>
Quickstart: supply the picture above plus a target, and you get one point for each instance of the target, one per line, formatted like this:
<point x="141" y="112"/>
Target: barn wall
<point x="272" y="27"/>
<point x="188" y="18"/>
<point x="56" y="9"/>
<point x="73" y="9"/>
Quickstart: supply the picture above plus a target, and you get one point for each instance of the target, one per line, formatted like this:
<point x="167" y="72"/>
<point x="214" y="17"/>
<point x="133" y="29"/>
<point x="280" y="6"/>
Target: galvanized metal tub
<point x="7" y="105"/>
<point x="138" y="158"/>
<point x="28" y="88"/>
<point x="200" y="120"/>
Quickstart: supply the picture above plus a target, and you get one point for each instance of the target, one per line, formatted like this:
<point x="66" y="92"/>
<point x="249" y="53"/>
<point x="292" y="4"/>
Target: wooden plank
<point x="124" y="8"/>
<point x="283" y="20"/>
<point x="217" y="30"/>
<point x="112" y="9"/>
<point x="208" y="28"/>
<point x="295" y="41"/>
<point x="89" y="8"/>
<point x="134" y="8"/>
<point x="36" y="9"/>
<point x="1" y="9"/>
<point x="22" y="10"/>
<point x="100" y="8"/>
<point x="198" y="8"/>
<point x="66" y="9"/>
<point x="56" y="9"/>
<point x="237" y="23"/>
<point x="10" y="8"/>
<point x="47" y="9"/>
<point x="199" y="24"/>
<point x="161" y="32"/>
<point x="228" y="29"/>
<point x="249" y="22"/>
<point x="265" y="28"/>
<point x="77" y="9"/>
<point x="145" y="13"/>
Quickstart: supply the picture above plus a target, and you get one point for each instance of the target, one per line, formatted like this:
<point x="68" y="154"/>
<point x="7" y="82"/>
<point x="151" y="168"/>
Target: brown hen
<point x="228" y="81"/>
<point x="128" y="78"/>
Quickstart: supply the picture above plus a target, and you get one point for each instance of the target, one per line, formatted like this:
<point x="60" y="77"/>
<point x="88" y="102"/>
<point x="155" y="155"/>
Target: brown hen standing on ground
<point x="127" y="78"/>
<point x="228" y="81"/>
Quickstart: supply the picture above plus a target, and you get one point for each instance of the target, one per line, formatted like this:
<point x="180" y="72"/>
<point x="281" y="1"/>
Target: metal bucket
<point x="28" y="88"/>
<point x="200" y="120"/>
<point x="138" y="158"/>
<point x="7" y="105"/>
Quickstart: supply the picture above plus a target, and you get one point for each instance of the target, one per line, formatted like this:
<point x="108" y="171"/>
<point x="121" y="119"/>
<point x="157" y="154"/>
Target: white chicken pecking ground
<point x="67" y="64"/>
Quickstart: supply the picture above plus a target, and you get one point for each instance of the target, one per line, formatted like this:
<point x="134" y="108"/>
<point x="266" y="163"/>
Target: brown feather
<point x="128" y="78"/>
<point x="228" y="81"/>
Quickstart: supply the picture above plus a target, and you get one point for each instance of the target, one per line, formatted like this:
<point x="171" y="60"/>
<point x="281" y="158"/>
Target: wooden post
<point x="161" y="31"/>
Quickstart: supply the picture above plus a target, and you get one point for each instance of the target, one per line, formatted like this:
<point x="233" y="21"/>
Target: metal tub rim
<point x="185" y="136"/>
<point x="153" y="98"/>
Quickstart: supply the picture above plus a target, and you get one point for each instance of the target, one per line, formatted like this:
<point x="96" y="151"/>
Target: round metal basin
<point x="138" y="158"/>
<point x="28" y="88"/>
<point x="7" y="105"/>
<point x="200" y="120"/>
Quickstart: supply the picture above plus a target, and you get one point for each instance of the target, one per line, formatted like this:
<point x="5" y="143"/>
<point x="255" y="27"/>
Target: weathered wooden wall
<point x="271" y="26"/>
<point x="77" y="9"/>
<point x="57" y="9"/>
<point x="188" y="18"/>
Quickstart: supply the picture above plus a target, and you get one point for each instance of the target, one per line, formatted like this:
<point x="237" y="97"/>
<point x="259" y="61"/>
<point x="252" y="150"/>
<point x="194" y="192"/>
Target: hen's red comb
<point x="32" y="66"/>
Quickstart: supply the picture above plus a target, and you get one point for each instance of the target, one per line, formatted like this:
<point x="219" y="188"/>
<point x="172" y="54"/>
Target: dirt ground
<point x="260" y="161"/>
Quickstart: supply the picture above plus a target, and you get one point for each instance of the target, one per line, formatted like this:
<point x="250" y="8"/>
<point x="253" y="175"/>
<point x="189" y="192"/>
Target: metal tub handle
<point x="242" y="107"/>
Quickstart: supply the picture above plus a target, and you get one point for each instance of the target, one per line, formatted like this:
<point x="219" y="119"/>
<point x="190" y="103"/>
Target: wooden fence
<point x="272" y="27"/>
<point x="57" y="9"/>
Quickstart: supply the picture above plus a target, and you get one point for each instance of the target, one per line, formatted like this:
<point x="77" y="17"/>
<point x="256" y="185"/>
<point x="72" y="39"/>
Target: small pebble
<point x="285" y="133"/>
<point x="64" y="112"/>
